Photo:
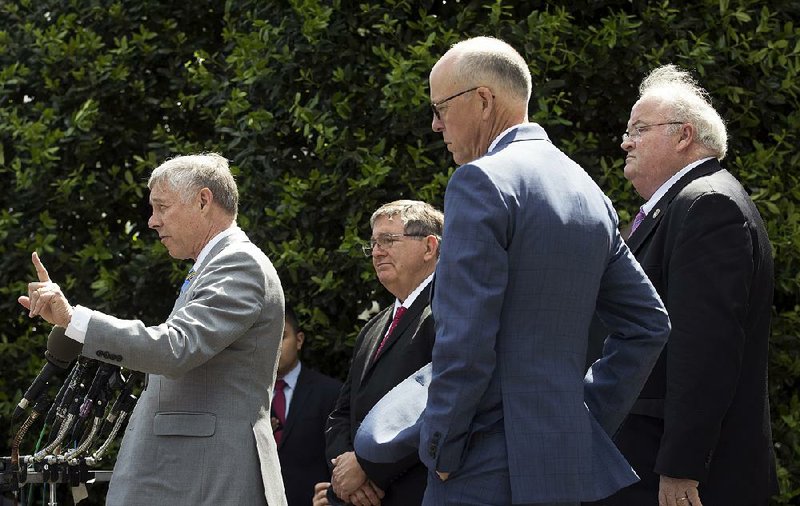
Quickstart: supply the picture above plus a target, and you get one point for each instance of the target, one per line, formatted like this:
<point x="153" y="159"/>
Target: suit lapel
<point x="373" y="339"/>
<point x="653" y="218"/>
<point x="299" y="396"/>
<point x="403" y="327"/>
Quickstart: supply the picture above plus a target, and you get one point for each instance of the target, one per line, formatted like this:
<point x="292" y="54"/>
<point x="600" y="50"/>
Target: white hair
<point x="190" y="173"/>
<point x="690" y="103"/>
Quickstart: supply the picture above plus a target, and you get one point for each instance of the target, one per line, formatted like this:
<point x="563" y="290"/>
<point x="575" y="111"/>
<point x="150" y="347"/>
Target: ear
<point x="687" y="137"/>
<point x="206" y="197"/>
<point x="487" y="101"/>
<point x="431" y="248"/>
<point x="301" y="338"/>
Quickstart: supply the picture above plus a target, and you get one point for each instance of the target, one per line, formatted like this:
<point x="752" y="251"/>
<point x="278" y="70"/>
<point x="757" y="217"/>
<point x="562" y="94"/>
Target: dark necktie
<point x="279" y="408"/>
<point x="638" y="219"/>
<point x="397" y="315"/>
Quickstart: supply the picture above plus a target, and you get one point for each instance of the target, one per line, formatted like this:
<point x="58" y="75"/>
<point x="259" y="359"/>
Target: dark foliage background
<point x="322" y="108"/>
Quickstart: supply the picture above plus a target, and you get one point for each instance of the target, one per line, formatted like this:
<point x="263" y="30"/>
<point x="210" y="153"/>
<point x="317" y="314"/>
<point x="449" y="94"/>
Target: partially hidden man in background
<point x="302" y="401"/>
<point x="530" y="251"/>
<point x="700" y="430"/>
<point x="404" y="248"/>
<point x="201" y="432"/>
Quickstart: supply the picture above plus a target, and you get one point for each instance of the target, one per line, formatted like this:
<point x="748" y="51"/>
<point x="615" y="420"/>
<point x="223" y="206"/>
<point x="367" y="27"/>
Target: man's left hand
<point x="678" y="492"/>
<point x="321" y="494"/>
<point x="45" y="298"/>
<point x="347" y="475"/>
<point x="369" y="494"/>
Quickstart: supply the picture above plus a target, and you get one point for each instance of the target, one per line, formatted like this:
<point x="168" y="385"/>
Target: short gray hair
<point x="191" y="173"/>
<point x="690" y="103"/>
<point x="418" y="217"/>
<point x="487" y="61"/>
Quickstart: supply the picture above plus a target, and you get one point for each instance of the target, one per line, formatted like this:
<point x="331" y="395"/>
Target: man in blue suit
<point x="530" y="252"/>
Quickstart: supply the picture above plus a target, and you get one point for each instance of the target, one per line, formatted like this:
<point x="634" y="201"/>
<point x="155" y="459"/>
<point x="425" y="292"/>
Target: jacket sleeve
<point x="473" y="261"/>
<point x="630" y="308"/>
<point x="225" y="302"/>
<point x="338" y="428"/>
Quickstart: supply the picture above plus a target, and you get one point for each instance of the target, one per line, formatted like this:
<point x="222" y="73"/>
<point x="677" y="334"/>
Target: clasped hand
<point x="45" y="298"/>
<point x="678" y="492"/>
<point x="350" y="482"/>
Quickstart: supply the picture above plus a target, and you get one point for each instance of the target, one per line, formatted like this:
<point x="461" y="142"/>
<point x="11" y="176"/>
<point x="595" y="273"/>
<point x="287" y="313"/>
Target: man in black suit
<point x="395" y="343"/>
<point x="699" y="434"/>
<point x="299" y="422"/>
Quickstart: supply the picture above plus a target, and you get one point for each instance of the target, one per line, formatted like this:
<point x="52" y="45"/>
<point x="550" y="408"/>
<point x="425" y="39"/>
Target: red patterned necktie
<point x="279" y="408"/>
<point x="638" y="219"/>
<point x="397" y="315"/>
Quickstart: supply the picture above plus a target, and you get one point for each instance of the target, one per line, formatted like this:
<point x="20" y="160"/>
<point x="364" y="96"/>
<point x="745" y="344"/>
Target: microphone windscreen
<point x="62" y="350"/>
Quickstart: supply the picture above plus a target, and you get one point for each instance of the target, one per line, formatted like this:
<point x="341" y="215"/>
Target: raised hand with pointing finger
<point x="45" y="298"/>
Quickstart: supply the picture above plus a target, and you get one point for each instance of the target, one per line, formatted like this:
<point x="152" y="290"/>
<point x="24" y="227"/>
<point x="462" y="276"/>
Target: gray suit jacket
<point x="201" y="432"/>
<point x="530" y="251"/>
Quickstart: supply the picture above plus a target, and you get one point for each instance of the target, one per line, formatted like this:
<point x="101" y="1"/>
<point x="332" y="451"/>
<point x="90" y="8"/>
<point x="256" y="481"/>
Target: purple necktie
<point x="638" y="219"/>
<point x="279" y="408"/>
<point x="397" y="315"/>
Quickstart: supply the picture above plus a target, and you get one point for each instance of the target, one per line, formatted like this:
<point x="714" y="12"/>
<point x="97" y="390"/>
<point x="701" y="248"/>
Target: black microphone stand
<point x="74" y="404"/>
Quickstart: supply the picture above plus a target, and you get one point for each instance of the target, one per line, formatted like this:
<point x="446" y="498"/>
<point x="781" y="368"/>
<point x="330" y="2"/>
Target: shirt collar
<point x="291" y="377"/>
<point x="413" y="295"/>
<point x="664" y="188"/>
<point x="502" y="134"/>
<point x="213" y="242"/>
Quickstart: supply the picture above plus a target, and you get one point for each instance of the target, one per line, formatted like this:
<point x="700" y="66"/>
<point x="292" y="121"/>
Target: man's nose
<point x="627" y="144"/>
<point x="437" y="125"/>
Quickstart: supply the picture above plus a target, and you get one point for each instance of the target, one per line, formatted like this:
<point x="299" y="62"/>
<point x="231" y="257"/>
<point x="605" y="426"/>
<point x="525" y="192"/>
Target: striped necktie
<point x="397" y="315"/>
<point x="638" y="219"/>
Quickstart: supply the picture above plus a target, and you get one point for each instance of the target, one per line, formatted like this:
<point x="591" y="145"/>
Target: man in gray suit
<point x="201" y="432"/>
<point x="530" y="251"/>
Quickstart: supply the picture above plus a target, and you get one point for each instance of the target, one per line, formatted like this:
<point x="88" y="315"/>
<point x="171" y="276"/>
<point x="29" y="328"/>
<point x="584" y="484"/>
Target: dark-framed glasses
<point x="385" y="241"/>
<point x="637" y="131"/>
<point x="435" y="105"/>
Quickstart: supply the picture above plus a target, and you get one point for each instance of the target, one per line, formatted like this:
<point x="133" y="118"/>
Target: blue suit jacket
<point x="530" y="251"/>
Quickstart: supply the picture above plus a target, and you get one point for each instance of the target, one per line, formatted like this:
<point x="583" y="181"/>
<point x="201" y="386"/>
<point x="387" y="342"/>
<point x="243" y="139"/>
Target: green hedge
<point x="322" y="108"/>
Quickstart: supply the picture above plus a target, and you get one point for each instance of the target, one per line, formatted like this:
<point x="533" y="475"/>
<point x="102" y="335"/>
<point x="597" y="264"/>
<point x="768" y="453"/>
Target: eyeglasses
<point x="435" y="106"/>
<point x="385" y="241"/>
<point x="637" y="131"/>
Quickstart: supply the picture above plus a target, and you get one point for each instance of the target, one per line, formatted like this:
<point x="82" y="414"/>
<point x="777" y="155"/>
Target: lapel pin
<point x="656" y="213"/>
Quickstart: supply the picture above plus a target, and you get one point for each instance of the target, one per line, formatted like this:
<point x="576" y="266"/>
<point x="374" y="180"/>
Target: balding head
<point x="490" y="62"/>
<point x="479" y="88"/>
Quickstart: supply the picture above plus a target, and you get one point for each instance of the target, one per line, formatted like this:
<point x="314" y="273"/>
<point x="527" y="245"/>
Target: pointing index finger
<point x="41" y="272"/>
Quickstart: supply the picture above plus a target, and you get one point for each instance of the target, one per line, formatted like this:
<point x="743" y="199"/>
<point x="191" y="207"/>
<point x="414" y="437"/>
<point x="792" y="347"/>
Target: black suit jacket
<point x="302" y="448"/>
<point x="408" y="348"/>
<point x="704" y="413"/>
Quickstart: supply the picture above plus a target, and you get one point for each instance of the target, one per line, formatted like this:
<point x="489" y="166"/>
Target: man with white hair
<point x="700" y="431"/>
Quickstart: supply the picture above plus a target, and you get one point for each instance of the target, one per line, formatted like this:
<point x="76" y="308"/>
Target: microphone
<point x="61" y="351"/>
<point x="125" y="401"/>
<point x="94" y="395"/>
